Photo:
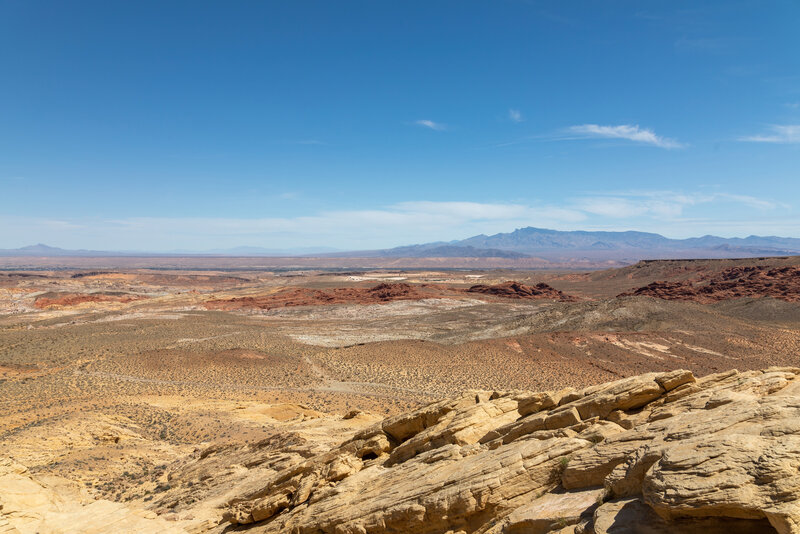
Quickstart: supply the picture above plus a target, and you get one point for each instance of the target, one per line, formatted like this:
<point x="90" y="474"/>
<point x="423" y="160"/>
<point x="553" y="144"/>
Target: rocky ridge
<point x="659" y="452"/>
<point x="381" y="293"/>
<point x="517" y="290"/>
<point x="736" y="282"/>
<point x="654" y="453"/>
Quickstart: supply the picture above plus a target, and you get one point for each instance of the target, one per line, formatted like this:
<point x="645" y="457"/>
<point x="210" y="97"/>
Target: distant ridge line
<point x="528" y="243"/>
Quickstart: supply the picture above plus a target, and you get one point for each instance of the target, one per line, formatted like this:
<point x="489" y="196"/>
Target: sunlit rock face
<point x="666" y="450"/>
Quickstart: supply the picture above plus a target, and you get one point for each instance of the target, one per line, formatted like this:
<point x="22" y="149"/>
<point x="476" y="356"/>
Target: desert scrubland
<point x="400" y="400"/>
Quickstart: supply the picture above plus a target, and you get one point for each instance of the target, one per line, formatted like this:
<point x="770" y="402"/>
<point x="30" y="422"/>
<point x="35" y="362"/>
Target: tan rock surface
<point x="28" y="505"/>
<point x="654" y="453"/>
<point x="550" y="512"/>
<point x="720" y="454"/>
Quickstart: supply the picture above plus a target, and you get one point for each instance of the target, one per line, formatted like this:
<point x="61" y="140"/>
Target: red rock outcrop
<point x="304" y="296"/>
<point x="516" y="290"/>
<point x="737" y="282"/>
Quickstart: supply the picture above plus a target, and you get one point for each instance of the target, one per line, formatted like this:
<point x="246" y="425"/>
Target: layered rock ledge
<point x="656" y="453"/>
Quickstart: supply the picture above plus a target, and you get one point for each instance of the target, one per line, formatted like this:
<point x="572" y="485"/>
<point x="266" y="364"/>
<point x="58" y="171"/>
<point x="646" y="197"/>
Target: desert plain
<point x="203" y="400"/>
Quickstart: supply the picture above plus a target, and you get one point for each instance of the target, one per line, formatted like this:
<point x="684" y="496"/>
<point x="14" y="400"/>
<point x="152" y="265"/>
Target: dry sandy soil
<point x="111" y="379"/>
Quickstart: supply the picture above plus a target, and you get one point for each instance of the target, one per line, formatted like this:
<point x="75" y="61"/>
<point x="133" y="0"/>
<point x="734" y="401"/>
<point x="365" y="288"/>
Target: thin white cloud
<point x="631" y="132"/>
<point x="785" y="134"/>
<point x="662" y="205"/>
<point x="438" y="126"/>
<point x="515" y="115"/>
<point x="753" y="202"/>
<point x="397" y="224"/>
<point x="478" y="211"/>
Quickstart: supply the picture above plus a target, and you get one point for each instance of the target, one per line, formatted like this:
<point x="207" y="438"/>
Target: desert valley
<point x="403" y="400"/>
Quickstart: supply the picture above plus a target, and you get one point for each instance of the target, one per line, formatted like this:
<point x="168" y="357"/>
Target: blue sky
<point x="200" y="125"/>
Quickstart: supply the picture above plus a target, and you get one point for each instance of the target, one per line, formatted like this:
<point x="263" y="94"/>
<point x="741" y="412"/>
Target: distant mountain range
<point x="552" y="245"/>
<point x="48" y="251"/>
<point x="558" y="245"/>
<point x="532" y="239"/>
<point x="442" y="250"/>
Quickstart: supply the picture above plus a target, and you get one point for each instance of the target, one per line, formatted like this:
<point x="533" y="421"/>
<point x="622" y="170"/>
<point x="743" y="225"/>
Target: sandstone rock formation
<point x="381" y="293"/>
<point x="56" y="505"/>
<point x="516" y="290"/>
<point x="660" y="452"/>
<point x="736" y="282"/>
<point x="384" y="292"/>
<point x="656" y="453"/>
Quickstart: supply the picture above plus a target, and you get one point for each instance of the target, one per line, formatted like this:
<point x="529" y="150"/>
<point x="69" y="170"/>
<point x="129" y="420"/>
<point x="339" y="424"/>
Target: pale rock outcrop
<point x="550" y="512"/>
<point x="650" y="454"/>
<point x="29" y="505"/>
<point x="679" y="454"/>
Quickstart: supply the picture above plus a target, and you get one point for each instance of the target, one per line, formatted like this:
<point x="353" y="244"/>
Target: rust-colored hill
<point x="516" y="290"/>
<point x="736" y="282"/>
<point x="304" y="296"/>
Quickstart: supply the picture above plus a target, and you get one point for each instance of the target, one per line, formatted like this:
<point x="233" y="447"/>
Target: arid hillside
<point x="166" y="400"/>
<point x="757" y="281"/>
